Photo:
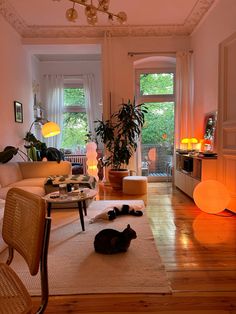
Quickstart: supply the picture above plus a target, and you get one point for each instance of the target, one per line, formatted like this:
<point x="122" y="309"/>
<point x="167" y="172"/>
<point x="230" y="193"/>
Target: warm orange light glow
<point x="152" y="154"/>
<point x="93" y="167"/>
<point x="50" y="129"/>
<point x="189" y="142"/>
<point x="212" y="229"/>
<point x="185" y="143"/>
<point x="194" y="140"/>
<point x="211" y="196"/>
<point x="91" y="154"/>
<point x="185" y="140"/>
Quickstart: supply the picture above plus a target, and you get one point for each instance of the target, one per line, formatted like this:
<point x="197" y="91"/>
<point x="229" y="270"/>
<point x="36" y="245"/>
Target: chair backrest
<point x="26" y="229"/>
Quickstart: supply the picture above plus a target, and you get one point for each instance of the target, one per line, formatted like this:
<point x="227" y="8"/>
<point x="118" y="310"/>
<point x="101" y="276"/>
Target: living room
<point x="115" y="55"/>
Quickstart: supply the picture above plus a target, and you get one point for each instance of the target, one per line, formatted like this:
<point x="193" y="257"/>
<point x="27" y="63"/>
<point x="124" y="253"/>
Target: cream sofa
<point x="29" y="176"/>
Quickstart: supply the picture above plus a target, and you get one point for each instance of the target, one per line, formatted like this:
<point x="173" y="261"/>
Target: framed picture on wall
<point x="18" y="109"/>
<point x="210" y="128"/>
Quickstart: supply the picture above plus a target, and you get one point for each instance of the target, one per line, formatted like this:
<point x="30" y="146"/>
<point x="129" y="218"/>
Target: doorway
<point x="158" y="141"/>
<point x="155" y="88"/>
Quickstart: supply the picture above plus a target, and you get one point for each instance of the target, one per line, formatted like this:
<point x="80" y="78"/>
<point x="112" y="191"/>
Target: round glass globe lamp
<point x="211" y="196"/>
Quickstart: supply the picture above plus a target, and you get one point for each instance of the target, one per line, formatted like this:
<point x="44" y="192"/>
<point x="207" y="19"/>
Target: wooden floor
<point x="197" y="249"/>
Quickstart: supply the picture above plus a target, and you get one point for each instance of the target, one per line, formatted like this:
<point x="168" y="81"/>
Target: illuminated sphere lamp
<point x="50" y="129"/>
<point x="211" y="196"/>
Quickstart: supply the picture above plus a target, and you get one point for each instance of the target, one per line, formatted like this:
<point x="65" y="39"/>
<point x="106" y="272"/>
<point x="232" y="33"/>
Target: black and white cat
<point x="111" y="241"/>
<point x="112" y="212"/>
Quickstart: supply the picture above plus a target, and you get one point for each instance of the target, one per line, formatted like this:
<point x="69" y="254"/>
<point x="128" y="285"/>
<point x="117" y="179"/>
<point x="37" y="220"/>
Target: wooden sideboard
<point x="191" y="170"/>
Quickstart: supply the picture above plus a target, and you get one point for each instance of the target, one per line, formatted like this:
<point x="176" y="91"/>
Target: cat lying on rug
<point x="111" y="214"/>
<point x="111" y="241"/>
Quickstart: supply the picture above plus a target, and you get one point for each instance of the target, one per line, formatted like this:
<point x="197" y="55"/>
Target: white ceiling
<point x="46" y="18"/>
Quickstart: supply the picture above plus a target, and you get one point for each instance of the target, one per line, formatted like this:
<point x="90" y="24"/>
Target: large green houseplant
<point x="120" y="135"/>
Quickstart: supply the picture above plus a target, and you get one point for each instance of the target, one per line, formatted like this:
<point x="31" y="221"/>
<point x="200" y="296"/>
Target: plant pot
<point x="116" y="176"/>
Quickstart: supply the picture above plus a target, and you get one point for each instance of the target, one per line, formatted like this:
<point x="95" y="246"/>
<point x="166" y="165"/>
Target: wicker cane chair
<point x="26" y="229"/>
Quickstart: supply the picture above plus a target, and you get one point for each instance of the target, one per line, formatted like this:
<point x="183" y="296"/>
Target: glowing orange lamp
<point x="186" y="142"/>
<point x="189" y="142"/>
<point x="194" y="142"/>
<point x="50" y="129"/>
<point x="211" y="196"/>
<point x="91" y="154"/>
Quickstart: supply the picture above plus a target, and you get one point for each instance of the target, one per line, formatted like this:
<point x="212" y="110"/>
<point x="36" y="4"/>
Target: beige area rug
<point x="74" y="267"/>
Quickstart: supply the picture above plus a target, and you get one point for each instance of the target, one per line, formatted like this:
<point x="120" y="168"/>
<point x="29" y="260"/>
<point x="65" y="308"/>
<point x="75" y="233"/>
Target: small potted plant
<point x="120" y="135"/>
<point x="38" y="150"/>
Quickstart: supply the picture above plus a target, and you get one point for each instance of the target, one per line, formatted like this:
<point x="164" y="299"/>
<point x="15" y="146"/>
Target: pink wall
<point x="121" y="77"/>
<point x="219" y="24"/>
<point x="15" y="82"/>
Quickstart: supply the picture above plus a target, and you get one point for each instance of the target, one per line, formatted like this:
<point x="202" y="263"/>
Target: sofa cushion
<point x="29" y="182"/>
<point x="10" y="172"/>
<point x="39" y="169"/>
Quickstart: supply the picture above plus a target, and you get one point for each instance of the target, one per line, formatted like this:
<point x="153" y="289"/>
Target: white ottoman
<point x="135" y="185"/>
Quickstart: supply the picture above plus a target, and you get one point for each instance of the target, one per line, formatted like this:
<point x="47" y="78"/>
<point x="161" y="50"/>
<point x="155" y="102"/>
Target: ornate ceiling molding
<point x="39" y="31"/>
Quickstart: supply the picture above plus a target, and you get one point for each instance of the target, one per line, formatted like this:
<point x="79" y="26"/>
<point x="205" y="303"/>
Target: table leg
<point x="81" y="215"/>
<point x="84" y="207"/>
<point x="49" y="209"/>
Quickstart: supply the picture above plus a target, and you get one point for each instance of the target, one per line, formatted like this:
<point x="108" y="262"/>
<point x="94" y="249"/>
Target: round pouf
<point x="135" y="185"/>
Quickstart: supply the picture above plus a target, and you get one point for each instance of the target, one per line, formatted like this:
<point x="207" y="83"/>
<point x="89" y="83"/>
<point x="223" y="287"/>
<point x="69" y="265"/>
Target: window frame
<point x="156" y="97"/>
<point x="78" y="108"/>
<point x="74" y="83"/>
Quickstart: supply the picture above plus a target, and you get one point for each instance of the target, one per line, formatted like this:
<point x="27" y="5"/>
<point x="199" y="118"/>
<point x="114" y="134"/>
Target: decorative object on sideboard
<point x="210" y="131"/>
<point x="120" y="134"/>
<point x="211" y="196"/>
<point x="189" y="144"/>
<point x="18" y="111"/>
<point x="91" y="11"/>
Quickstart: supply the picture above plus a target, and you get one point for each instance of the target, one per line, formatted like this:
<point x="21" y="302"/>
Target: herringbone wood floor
<point x="199" y="253"/>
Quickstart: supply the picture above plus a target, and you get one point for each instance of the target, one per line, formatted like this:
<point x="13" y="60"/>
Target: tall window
<point x="156" y="88"/>
<point x="75" y="122"/>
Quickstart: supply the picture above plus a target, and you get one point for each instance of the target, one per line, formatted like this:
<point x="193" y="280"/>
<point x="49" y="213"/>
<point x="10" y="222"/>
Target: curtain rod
<point x="131" y="54"/>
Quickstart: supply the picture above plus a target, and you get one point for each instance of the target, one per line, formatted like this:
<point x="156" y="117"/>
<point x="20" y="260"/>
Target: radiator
<point x="79" y="159"/>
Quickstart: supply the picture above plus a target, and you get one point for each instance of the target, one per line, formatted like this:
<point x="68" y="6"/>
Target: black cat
<point x="110" y="241"/>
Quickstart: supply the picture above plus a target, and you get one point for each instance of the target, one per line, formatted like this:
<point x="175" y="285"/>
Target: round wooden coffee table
<point x="72" y="197"/>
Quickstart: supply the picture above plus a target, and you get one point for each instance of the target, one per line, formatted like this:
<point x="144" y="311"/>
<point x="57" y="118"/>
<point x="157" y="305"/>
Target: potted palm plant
<point x="120" y="135"/>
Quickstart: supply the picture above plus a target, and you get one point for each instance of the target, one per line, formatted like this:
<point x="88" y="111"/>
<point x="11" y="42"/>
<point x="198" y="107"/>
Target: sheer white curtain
<point x="90" y="100"/>
<point x="184" y="127"/>
<point x="54" y="100"/>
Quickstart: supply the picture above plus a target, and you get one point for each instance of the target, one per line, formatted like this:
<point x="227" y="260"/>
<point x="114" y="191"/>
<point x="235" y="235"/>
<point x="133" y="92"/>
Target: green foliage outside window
<point x="74" y="130"/>
<point x="75" y="124"/>
<point x="159" y="123"/>
<point x="74" y="97"/>
<point x="156" y="84"/>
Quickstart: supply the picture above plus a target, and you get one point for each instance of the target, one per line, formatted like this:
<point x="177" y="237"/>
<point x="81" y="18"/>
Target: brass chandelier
<point x="91" y="11"/>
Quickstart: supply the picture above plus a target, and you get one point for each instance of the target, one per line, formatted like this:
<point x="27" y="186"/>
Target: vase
<point x="116" y="176"/>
